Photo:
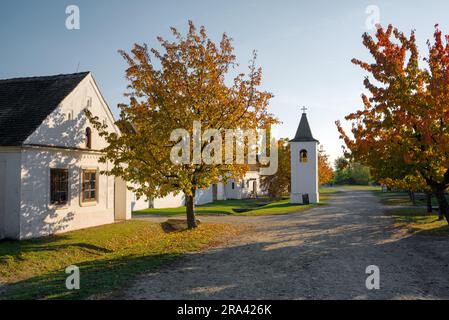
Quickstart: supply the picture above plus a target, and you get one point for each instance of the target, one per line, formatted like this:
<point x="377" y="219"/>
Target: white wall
<point x="252" y="177"/>
<point x="58" y="130"/>
<point x="65" y="128"/>
<point x="38" y="217"/>
<point x="122" y="200"/>
<point x="243" y="190"/>
<point x="170" y="201"/>
<point x="221" y="194"/>
<point x="233" y="193"/>
<point x="10" y="159"/>
<point x="203" y="196"/>
<point x="304" y="176"/>
<point x="139" y="204"/>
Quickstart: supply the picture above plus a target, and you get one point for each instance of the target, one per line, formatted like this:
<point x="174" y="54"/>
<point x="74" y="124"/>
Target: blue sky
<point x="304" y="47"/>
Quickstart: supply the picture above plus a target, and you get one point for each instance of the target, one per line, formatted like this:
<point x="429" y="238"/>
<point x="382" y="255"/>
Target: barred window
<point x="89" y="185"/>
<point x="59" y="186"/>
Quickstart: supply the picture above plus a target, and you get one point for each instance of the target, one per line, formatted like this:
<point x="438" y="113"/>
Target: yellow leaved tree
<point x="189" y="81"/>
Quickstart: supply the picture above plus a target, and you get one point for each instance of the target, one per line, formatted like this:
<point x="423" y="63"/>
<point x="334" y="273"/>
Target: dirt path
<point x="318" y="254"/>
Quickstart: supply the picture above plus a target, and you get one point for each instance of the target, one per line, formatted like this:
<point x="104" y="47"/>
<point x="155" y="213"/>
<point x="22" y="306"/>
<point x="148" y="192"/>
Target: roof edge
<point x="36" y="78"/>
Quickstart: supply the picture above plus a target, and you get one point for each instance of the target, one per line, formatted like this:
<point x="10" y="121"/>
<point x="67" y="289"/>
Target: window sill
<point x="58" y="207"/>
<point x="89" y="203"/>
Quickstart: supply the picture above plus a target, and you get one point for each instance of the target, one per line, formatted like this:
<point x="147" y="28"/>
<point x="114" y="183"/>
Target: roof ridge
<point x="42" y="78"/>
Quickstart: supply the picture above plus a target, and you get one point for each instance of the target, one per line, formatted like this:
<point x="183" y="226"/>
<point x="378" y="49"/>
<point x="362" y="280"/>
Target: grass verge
<point x="248" y="207"/>
<point x="108" y="257"/>
<point x="400" y="198"/>
<point x="245" y="207"/>
<point x="416" y="220"/>
<point x="361" y="188"/>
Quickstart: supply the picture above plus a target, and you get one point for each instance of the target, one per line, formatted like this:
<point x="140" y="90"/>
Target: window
<point x="303" y="156"/>
<point x="233" y="186"/>
<point x="59" y="186"/>
<point x="89" y="185"/>
<point x="88" y="138"/>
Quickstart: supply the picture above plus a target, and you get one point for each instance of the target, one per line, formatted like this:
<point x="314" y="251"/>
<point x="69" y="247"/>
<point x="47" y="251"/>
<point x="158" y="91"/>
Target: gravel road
<point x="317" y="254"/>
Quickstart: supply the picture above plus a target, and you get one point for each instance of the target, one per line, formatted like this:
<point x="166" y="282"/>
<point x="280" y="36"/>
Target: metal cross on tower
<point x="304" y="109"/>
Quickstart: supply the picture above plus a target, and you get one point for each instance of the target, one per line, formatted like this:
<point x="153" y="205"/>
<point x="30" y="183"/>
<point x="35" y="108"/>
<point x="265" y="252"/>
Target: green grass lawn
<point x="399" y="198"/>
<point x="394" y="198"/>
<point x="417" y="220"/>
<point x="327" y="191"/>
<point x="231" y="207"/>
<point x="108" y="257"/>
<point x="361" y="188"/>
<point x="251" y="207"/>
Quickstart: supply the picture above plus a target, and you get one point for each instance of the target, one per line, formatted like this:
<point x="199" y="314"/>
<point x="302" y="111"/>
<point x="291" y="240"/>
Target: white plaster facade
<point x="304" y="175"/>
<point x="248" y="187"/>
<point x="10" y="163"/>
<point x="59" y="142"/>
<point x="202" y="196"/>
<point x="304" y="164"/>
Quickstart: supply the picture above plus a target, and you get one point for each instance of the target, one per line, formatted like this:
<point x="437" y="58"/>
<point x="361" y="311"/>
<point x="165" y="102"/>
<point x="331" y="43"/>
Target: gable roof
<point x="26" y="102"/>
<point x="304" y="134"/>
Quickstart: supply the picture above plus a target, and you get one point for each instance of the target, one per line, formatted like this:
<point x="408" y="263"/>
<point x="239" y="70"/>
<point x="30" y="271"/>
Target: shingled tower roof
<point x="304" y="134"/>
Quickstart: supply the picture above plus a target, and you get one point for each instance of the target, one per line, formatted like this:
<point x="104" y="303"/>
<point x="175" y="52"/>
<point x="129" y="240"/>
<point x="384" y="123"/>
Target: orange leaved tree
<point x="191" y="79"/>
<point x="325" y="172"/>
<point x="403" y="129"/>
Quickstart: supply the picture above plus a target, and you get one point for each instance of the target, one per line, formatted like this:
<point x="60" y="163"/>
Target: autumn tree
<point x="403" y="128"/>
<point x="325" y="172"/>
<point x="189" y="80"/>
<point x="412" y="184"/>
<point x="278" y="184"/>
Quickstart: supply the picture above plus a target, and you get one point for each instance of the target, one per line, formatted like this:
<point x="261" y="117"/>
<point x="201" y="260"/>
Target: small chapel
<point x="304" y="164"/>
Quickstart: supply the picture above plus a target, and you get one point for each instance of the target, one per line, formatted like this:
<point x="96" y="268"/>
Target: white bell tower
<point x="304" y="164"/>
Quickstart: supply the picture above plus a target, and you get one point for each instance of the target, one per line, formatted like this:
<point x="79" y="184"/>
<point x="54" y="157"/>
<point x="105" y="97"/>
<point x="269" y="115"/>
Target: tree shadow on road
<point x="321" y="255"/>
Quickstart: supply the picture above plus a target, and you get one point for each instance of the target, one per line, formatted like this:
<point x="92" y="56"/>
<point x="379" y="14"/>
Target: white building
<point x="50" y="177"/>
<point x="304" y="165"/>
<point x="50" y="180"/>
<point x="248" y="187"/>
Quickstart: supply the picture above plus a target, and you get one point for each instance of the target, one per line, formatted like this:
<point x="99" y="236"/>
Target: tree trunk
<point x="442" y="202"/>
<point x="412" y="197"/>
<point x="190" y="210"/>
<point x="429" y="202"/>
